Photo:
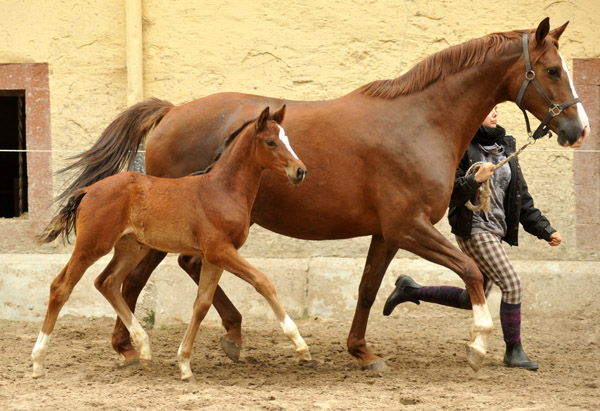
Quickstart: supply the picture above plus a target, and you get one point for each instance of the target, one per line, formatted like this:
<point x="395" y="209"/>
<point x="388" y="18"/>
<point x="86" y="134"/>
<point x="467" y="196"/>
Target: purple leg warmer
<point x="510" y="318"/>
<point x="443" y="295"/>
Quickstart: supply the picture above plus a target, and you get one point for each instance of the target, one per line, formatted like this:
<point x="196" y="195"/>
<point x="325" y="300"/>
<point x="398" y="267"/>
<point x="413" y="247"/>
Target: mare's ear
<point x="557" y="32"/>
<point x="542" y="31"/>
<point x="279" y="115"/>
<point x="262" y="120"/>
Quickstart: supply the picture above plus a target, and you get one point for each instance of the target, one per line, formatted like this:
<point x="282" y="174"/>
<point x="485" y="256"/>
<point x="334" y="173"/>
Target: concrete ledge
<point x="319" y="286"/>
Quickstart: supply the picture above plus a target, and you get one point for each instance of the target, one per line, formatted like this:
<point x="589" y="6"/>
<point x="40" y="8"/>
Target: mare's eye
<point x="271" y="143"/>
<point x="553" y="72"/>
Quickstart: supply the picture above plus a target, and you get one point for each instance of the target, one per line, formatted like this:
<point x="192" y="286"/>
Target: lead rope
<point x="484" y="192"/>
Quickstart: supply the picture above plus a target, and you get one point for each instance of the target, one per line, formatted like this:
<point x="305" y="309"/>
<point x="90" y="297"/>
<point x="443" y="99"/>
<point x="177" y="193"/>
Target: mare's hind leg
<point x="60" y="290"/>
<point x="128" y="253"/>
<point x="209" y="278"/>
<point x="231" y="260"/>
<point x="378" y="259"/>
<point x="231" y="318"/>
<point x="132" y="287"/>
<point x="423" y="239"/>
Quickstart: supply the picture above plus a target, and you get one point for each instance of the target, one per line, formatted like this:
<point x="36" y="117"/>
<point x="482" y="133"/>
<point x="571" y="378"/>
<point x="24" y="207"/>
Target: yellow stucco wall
<point x="308" y="50"/>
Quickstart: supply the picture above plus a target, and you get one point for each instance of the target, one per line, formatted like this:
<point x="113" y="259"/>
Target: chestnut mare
<point x="206" y="215"/>
<point x="382" y="162"/>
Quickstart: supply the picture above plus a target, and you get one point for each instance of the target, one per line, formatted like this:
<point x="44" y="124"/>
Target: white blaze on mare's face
<point x="583" y="118"/>
<point x="283" y="137"/>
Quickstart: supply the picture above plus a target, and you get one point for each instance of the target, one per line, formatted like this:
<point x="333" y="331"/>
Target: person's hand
<point x="484" y="172"/>
<point x="555" y="239"/>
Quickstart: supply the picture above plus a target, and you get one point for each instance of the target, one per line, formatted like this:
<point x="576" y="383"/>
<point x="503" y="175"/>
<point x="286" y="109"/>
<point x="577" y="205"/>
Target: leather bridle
<point x="553" y="109"/>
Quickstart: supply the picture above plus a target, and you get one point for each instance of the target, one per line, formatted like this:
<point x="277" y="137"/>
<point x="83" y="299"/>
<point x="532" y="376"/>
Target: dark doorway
<point x="13" y="161"/>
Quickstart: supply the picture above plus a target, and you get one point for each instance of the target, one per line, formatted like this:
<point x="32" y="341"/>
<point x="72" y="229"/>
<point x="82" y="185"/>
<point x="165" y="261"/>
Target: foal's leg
<point x="378" y="259"/>
<point x="423" y="239"/>
<point x="132" y="287"/>
<point x="209" y="279"/>
<point x="128" y="253"/>
<point x="60" y="290"/>
<point x="231" y="318"/>
<point x="231" y="260"/>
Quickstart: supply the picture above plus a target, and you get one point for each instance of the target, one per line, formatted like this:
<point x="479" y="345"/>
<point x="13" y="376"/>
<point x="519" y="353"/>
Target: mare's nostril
<point x="300" y="174"/>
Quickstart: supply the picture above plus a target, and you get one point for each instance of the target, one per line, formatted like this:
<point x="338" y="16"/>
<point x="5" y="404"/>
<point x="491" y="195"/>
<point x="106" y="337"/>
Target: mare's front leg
<point x="424" y="240"/>
<point x="231" y="342"/>
<point x="231" y="260"/>
<point x="132" y="287"/>
<point x="208" y="281"/>
<point x="378" y="259"/>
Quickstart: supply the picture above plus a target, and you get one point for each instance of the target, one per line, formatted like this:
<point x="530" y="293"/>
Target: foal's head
<point x="273" y="149"/>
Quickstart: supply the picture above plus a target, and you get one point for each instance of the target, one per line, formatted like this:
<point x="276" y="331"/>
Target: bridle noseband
<point x="553" y="109"/>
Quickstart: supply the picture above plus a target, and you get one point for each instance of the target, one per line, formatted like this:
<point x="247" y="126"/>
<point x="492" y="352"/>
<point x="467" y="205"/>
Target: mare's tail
<point x="117" y="146"/>
<point x="64" y="222"/>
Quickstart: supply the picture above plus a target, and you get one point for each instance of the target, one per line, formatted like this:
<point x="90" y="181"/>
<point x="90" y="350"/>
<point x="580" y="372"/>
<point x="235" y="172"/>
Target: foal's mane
<point x="442" y="64"/>
<point x="220" y="151"/>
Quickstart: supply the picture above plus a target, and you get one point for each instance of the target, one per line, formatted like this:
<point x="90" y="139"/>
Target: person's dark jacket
<point x="518" y="203"/>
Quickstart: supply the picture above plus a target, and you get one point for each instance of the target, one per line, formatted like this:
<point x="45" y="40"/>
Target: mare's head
<point x="554" y="87"/>
<point x="273" y="149"/>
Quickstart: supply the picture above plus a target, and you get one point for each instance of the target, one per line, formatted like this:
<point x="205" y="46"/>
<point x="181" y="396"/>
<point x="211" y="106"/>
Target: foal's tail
<point x="64" y="222"/>
<point x="117" y="146"/>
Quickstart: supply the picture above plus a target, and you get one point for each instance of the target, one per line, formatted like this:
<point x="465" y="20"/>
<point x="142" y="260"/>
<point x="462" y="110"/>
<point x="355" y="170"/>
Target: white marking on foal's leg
<point x="480" y="331"/>
<point x="580" y="110"/>
<point x="184" y="365"/>
<point x="140" y="339"/>
<point x="38" y="355"/>
<point x="286" y="141"/>
<point x="291" y="331"/>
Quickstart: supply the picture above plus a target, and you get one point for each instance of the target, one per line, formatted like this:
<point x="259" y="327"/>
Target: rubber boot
<point x="515" y="357"/>
<point x="401" y="294"/>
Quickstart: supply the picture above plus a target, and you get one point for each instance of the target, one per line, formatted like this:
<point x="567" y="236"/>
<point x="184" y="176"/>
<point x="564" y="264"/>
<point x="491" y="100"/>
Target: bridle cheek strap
<point x="553" y="109"/>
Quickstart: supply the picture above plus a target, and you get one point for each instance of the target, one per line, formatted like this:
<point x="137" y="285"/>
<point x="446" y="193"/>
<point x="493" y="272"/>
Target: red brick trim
<point x="18" y="234"/>
<point x="586" y="76"/>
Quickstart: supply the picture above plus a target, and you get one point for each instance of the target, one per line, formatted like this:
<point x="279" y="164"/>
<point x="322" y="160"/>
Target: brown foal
<point x="206" y="214"/>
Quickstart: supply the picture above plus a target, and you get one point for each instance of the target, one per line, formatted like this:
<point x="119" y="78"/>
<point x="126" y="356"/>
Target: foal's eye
<point x="271" y="143"/>
<point x="553" y="72"/>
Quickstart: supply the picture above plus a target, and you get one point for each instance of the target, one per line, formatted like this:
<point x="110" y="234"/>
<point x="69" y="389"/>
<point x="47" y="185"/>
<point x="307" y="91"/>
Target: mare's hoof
<point x="231" y="348"/>
<point x="474" y="358"/>
<point x="377" y="365"/>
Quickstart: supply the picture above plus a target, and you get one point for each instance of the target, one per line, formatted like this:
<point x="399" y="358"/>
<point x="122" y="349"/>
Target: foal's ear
<point x="279" y="115"/>
<point x="261" y="121"/>
<point x="542" y="31"/>
<point x="557" y="32"/>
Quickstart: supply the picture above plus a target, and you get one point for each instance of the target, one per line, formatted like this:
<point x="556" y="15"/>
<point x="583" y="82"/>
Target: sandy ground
<point x="423" y="348"/>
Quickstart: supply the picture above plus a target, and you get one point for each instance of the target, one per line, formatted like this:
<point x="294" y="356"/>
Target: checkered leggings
<point x="489" y="255"/>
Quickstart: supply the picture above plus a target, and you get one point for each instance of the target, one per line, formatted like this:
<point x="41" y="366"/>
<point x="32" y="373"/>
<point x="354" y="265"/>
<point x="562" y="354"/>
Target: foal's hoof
<point x="129" y="357"/>
<point x="231" y="348"/>
<point x="135" y="363"/>
<point x="377" y="365"/>
<point x="304" y="353"/>
<point x="146" y="364"/>
<point x="474" y="358"/>
<point x="38" y="371"/>
<point x="188" y="376"/>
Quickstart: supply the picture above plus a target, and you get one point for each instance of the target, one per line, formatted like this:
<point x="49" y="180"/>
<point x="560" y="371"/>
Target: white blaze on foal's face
<point x="286" y="141"/>
<point x="583" y="118"/>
